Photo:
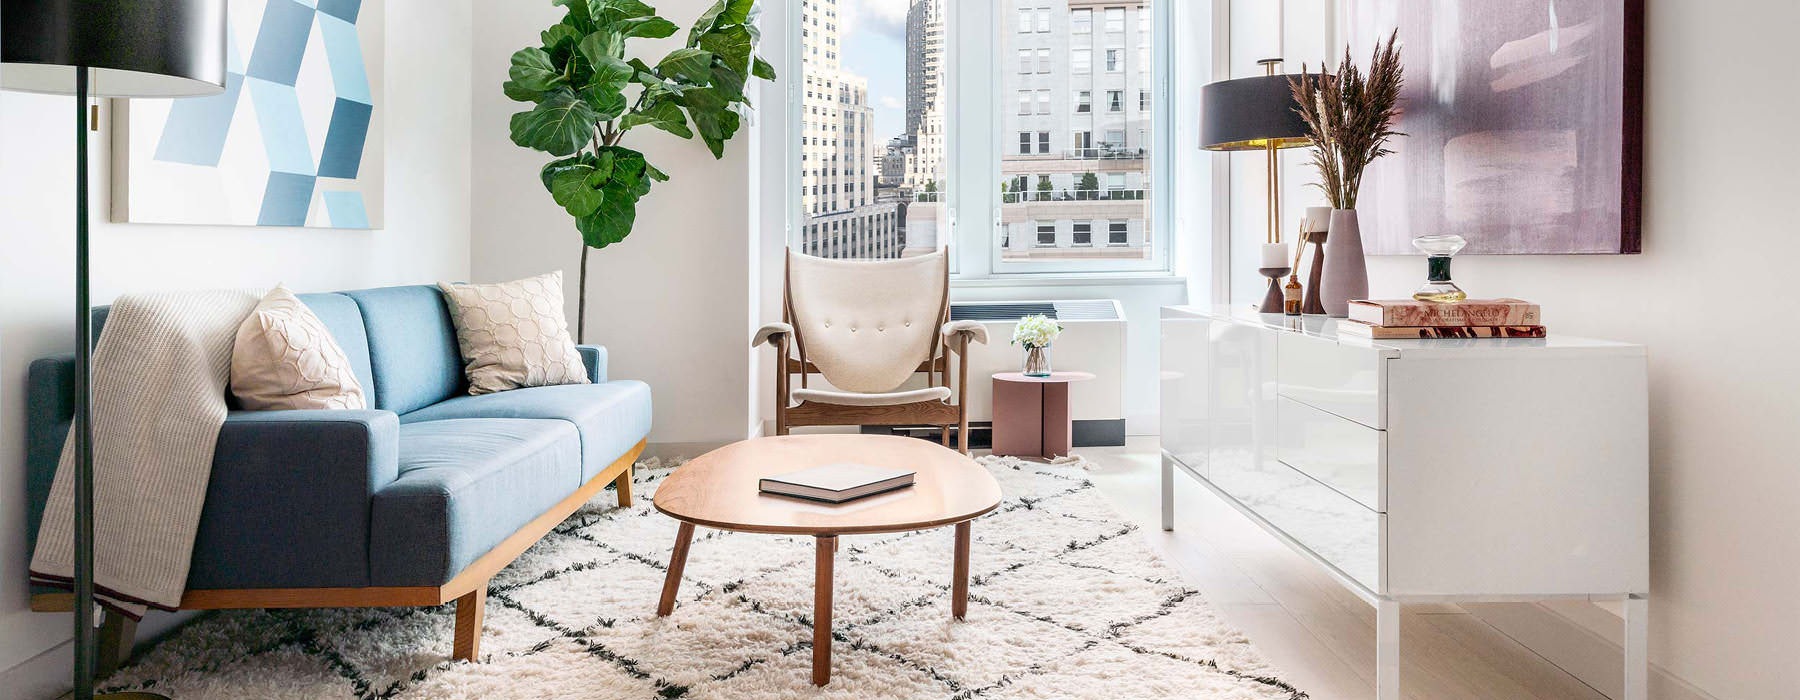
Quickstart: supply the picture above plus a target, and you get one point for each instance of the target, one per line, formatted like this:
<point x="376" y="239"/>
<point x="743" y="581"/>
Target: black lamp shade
<point x="136" y="48"/>
<point x="1248" y="114"/>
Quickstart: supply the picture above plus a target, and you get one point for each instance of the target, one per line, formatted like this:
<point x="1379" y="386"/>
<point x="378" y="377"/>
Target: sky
<point x="872" y="37"/>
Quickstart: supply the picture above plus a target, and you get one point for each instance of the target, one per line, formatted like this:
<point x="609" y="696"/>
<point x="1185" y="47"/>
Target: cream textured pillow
<point x="513" y="334"/>
<point x="285" y="359"/>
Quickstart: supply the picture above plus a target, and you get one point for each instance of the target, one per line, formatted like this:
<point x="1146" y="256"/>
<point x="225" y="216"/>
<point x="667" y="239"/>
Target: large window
<point x="887" y="162"/>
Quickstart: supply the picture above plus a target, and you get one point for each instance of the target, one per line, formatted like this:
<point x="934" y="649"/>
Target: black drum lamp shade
<point x="133" y="48"/>
<point x="1250" y="114"/>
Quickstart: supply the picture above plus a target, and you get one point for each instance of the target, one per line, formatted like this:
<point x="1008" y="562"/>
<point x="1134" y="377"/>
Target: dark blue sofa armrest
<point x="49" y="408"/>
<point x="288" y="503"/>
<point x="594" y="356"/>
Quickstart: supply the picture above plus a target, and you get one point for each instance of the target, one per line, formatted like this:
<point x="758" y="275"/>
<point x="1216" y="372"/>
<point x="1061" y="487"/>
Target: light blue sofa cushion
<point x="412" y="346"/>
<point x="612" y="416"/>
<point x="345" y="321"/>
<point x="464" y="486"/>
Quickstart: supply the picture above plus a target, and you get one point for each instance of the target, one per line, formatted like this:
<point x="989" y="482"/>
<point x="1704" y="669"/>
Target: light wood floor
<point x="1320" y="636"/>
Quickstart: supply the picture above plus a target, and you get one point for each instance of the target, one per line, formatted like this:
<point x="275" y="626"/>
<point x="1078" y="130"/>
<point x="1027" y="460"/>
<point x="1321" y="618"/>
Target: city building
<point x="843" y="216"/>
<point x="1076" y="85"/>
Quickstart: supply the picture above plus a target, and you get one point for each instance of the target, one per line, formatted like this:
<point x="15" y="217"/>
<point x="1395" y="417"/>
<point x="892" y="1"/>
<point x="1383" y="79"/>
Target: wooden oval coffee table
<point x="719" y="490"/>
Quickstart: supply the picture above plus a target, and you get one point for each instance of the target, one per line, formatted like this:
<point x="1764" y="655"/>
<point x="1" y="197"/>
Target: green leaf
<point x="661" y="114"/>
<point x="761" y="68"/>
<point x="713" y="118"/>
<point x="692" y="65"/>
<point x="707" y="21"/>
<point x="580" y="17"/>
<point x="560" y="125"/>
<point x="644" y="74"/>
<point x="732" y="44"/>
<point x="655" y="174"/>
<point x="572" y="186"/>
<point x="603" y="167"/>
<point x="607" y="104"/>
<point x="532" y="74"/>
<point x="611" y="74"/>
<point x="729" y="83"/>
<point x="560" y="36"/>
<point x="617" y="10"/>
<point x="648" y="28"/>
<point x="602" y="46"/>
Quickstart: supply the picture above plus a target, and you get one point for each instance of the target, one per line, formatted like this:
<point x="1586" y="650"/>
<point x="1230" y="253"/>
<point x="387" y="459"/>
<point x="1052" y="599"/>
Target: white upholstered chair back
<point x="867" y="324"/>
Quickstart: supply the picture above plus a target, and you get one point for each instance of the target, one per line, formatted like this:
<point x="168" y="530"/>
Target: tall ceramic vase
<point x="1346" y="276"/>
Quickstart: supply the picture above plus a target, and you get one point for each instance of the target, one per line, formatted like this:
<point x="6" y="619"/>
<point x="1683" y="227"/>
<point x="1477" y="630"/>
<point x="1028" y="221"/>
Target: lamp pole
<point x="83" y="421"/>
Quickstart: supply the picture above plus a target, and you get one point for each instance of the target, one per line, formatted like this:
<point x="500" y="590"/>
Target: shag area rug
<point x="1066" y="602"/>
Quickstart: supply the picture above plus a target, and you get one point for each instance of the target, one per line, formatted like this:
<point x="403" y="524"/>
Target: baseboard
<point x="681" y="450"/>
<point x="43" y="676"/>
<point x="47" y="674"/>
<point x="1085" y="433"/>
<point x="1583" y="639"/>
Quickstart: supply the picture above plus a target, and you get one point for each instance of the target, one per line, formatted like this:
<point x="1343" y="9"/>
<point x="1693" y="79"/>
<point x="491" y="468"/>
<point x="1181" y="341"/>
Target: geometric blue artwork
<point x="294" y="140"/>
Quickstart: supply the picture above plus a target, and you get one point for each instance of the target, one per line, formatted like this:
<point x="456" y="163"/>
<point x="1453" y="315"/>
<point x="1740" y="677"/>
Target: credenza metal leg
<point x="1637" y="648"/>
<point x="1168" y="493"/>
<point x="1387" y="650"/>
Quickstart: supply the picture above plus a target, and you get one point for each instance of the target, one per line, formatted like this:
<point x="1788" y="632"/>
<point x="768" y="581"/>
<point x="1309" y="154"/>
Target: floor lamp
<point x="92" y="49"/>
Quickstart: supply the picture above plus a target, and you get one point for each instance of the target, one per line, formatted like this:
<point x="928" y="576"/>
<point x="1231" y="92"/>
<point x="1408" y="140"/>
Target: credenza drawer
<point x="1342" y="453"/>
<point x="1336" y="378"/>
<point x="1338" y="529"/>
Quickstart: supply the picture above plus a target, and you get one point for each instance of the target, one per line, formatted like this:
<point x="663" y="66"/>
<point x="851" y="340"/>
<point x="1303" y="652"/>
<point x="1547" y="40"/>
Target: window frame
<point x="970" y="224"/>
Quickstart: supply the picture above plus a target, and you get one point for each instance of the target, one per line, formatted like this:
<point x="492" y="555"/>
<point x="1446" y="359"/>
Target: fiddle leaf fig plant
<point x="587" y="93"/>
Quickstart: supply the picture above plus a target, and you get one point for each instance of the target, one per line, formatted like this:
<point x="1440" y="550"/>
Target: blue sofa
<point x="416" y="501"/>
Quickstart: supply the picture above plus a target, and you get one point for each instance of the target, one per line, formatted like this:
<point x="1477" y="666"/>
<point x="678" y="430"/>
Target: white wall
<point x="1710" y="297"/>
<point x="670" y="301"/>
<point x="426" y="240"/>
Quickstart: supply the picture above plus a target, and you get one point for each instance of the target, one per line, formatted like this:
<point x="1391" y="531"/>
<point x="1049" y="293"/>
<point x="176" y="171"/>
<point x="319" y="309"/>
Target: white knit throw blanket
<point x="161" y="370"/>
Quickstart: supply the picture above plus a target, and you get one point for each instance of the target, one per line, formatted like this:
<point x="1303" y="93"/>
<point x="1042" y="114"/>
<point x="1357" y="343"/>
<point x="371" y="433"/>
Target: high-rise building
<point x="1076" y="91"/>
<point x="844" y="218"/>
<point x="921" y="164"/>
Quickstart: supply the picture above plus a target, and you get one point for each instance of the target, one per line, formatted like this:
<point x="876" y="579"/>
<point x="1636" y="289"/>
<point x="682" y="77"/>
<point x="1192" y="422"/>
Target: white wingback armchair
<point x="868" y="327"/>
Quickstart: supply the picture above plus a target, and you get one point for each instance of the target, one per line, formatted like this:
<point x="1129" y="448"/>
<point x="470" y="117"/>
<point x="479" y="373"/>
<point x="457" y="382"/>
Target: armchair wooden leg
<point x="117" y="633"/>
<point x="470" y="610"/>
<point x="623" y="486"/>
<point x="946" y="435"/>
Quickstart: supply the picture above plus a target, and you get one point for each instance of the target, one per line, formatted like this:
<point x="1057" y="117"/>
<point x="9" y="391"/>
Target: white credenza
<point x="1421" y="470"/>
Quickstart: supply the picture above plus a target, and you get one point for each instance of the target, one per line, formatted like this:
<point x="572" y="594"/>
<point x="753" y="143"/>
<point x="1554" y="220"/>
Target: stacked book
<point x="1474" y="318"/>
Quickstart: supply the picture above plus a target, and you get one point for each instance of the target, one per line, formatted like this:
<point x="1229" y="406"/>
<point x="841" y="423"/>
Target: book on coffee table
<point x="836" y="483"/>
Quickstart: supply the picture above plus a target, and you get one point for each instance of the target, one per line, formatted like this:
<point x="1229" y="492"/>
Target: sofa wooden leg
<point x="623" y="485"/>
<point x="469" y="612"/>
<point x="117" y="634"/>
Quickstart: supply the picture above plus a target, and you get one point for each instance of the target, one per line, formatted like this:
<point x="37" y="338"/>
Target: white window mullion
<point x="975" y="134"/>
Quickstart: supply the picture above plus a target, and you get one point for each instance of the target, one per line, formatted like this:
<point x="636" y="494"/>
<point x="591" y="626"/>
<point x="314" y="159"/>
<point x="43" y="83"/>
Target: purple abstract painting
<point x="1524" y="123"/>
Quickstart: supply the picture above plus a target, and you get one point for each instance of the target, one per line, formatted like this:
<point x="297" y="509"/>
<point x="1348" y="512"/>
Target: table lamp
<point x="90" y="49"/>
<point x="1257" y="114"/>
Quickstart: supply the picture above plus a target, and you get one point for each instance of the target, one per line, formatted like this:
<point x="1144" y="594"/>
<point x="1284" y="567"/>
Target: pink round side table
<point x="1031" y="414"/>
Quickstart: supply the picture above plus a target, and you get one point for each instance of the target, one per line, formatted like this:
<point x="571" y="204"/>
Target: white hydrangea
<point x="1036" y="331"/>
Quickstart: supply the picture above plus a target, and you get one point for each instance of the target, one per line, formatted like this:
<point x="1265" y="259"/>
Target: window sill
<point x="1069" y="279"/>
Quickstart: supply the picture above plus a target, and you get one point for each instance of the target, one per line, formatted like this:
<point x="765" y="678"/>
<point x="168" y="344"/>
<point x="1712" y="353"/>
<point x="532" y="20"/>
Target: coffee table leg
<point x="959" y="577"/>
<point x="677" y="562"/>
<point x="827" y="556"/>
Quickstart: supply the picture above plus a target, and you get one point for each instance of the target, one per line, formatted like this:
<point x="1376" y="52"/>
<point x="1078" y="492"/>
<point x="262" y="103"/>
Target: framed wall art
<point x="1524" y="123"/>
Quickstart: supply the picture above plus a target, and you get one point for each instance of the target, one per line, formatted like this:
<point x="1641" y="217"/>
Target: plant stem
<point x="581" y="298"/>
